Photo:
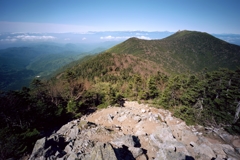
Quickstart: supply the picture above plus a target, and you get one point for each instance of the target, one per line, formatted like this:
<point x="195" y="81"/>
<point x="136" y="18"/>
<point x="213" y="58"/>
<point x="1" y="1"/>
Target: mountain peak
<point x="133" y="38"/>
<point x="182" y="33"/>
<point x="184" y="51"/>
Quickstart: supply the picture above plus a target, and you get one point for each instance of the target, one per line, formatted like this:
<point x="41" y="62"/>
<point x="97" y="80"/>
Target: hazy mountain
<point x="19" y="65"/>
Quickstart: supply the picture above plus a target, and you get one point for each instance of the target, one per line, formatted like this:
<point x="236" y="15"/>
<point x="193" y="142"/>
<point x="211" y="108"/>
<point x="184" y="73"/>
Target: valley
<point x="20" y="65"/>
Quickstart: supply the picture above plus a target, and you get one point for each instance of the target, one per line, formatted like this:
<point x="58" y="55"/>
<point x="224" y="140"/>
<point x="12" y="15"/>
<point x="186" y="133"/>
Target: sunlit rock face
<point x="135" y="131"/>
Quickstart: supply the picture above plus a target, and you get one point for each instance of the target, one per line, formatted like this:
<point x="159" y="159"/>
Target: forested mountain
<point x="179" y="73"/>
<point x="184" y="51"/>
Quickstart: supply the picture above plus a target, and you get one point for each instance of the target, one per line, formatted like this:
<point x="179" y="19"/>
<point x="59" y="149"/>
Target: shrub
<point x="185" y="113"/>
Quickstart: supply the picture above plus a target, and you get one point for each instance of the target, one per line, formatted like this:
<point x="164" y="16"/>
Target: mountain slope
<point x="184" y="51"/>
<point x="114" y="64"/>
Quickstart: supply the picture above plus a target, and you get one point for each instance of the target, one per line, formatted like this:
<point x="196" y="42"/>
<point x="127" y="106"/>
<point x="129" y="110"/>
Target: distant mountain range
<point x="25" y="39"/>
<point x="19" y="65"/>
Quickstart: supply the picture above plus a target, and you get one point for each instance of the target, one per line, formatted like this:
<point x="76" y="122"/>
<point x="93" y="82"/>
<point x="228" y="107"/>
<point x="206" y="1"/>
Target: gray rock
<point x="135" y="151"/>
<point x="122" y="118"/>
<point x="140" y="133"/>
<point x="68" y="148"/>
<point x="49" y="152"/>
<point x="72" y="133"/>
<point x="169" y="155"/>
<point x="137" y="118"/>
<point x="238" y="150"/>
<point x="226" y="137"/>
<point x="102" y="151"/>
<point x="204" y="151"/>
<point x="110" y="118"/>
<point x="126" y="140"/>
<point x="188" y="136"/>
<point x="181" y="133"/>
<point x="231" y="154"/>
<point x="72" y="156"/>
<point x="38" y="149"/>
<point x="170" y="140"/>
<point x="64" y="128"/>
<point x="217" y="149"/>
<point x="164" y="134"/>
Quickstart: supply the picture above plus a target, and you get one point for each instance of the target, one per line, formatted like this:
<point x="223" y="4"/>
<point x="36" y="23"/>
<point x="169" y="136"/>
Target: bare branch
<point x="237" y="113"/>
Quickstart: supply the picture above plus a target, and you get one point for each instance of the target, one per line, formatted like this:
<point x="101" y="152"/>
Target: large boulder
<point x="167" y="146"/>
<point x="230" y="152"/>
<point x="170" y="155"/>
<point x="164" y="135"/>
<point x="101" y="151"/>
<point x="51" y="147"/>
<point x="72" y="133"/>
<point x="38" y="149"/>
<point x="65" y="128"/>
<point x="122" y="118"/>
<point x="127" y="140"/>
<point x="136" y="152"/>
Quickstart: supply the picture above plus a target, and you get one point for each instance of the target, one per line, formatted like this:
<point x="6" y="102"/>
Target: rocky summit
<point x="136" y="131"/>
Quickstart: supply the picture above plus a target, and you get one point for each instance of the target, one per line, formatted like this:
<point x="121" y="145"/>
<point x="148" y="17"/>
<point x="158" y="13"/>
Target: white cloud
<point x="9" y="40"/>
<point x="113" y="38"/>
<point x="144" y="37"/>
<point x="84" y="38"/>
<point x="32" y="38"/>
<point x="17" y="33"/>
<point x="84" y="33"/>
<point x="67" y="39"/>
<point x="107" y="37"/>
<point x="27" y="38"/>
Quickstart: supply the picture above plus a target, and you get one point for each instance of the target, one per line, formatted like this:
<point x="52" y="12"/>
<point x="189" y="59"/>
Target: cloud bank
<point x="123" y="37"/>
<point x="114" y="38"/>
<point x="27" y="38"/>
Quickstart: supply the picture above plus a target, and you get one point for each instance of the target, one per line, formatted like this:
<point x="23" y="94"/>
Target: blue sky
<point x="212" y="16"/>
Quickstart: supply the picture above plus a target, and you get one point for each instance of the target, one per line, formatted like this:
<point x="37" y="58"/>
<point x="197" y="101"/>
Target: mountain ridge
<point x="187" y="50"/>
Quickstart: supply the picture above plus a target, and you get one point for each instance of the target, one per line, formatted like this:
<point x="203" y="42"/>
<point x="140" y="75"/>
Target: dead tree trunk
<point x="237" y="113"/>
